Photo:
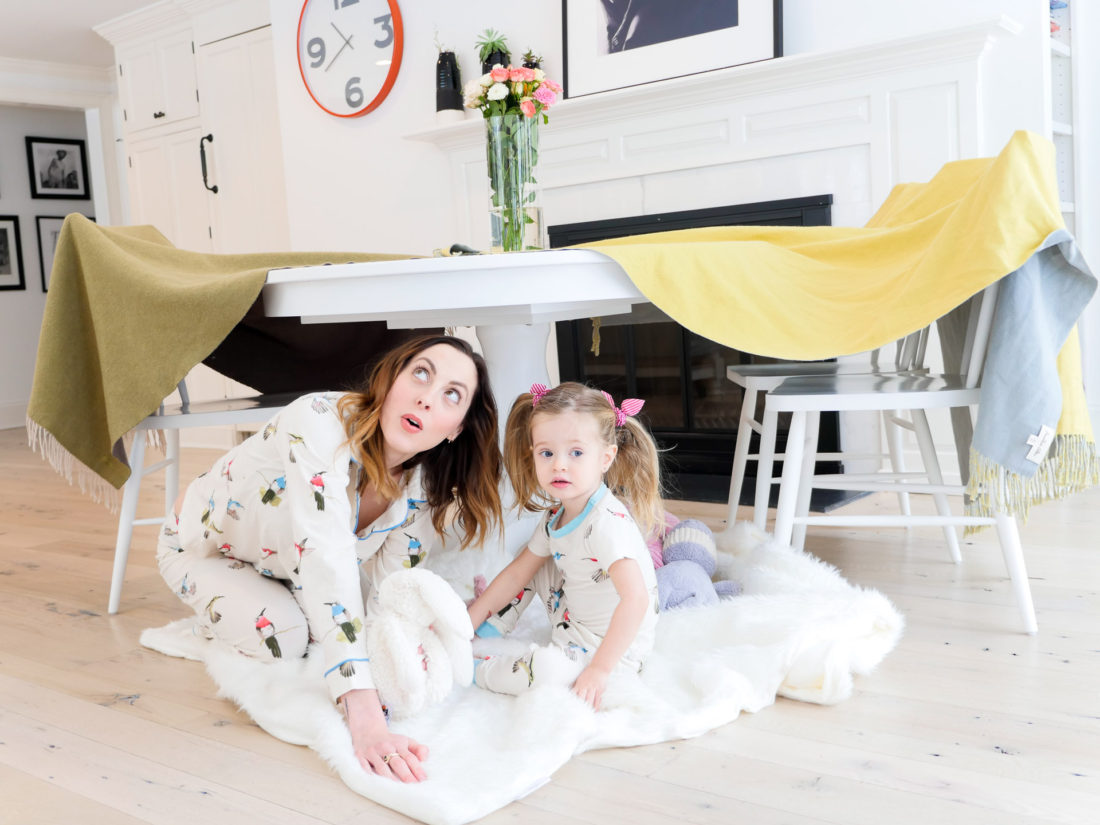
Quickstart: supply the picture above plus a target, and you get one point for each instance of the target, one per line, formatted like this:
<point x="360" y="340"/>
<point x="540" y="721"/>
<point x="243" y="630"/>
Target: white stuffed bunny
<point x="419" y="641"/>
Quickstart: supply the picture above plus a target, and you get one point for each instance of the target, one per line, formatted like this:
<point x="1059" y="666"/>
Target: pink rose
<point x="527" y="106"/>
<point x="528" y="74"/>
<point x="516" y="75"/>
<point x="544" y="95"/>
<point x="554" y="87"/>
<point x="499" y="74"/>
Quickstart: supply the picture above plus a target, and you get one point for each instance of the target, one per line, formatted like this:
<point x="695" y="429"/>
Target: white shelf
<point x="1059" y="49"/>
<point x="1060" y="128"/>
<point x="1067" y="207"/>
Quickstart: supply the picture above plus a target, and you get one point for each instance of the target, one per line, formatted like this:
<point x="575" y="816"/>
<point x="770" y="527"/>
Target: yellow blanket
<point x="817" y="292"/>
<point x="127" y="316"/>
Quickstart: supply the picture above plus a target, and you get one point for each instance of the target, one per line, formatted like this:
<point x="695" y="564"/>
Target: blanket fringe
<point x="1073" y="464"/>
<point x="73" y="470"/>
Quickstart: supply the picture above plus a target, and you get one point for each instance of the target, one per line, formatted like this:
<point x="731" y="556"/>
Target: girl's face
<point x="570" y="457"/>
<point x="427" y="402"/>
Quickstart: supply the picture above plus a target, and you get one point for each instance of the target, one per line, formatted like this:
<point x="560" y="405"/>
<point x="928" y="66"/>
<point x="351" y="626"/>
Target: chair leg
<point x="1013" y="554"/>
<point x="740" y="455"/>
<point x="172" y="471"/>
<point x="897" y="454"/>
<point x="788" y="485"/>
<point x="932" y="469"/>
<point x="126" y="520"/>
<point x="806" y="478"/>
<point x="765" y="467"/>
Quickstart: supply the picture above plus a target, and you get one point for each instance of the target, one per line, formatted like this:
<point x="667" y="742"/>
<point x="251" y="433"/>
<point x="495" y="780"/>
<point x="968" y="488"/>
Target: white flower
<point x="472" y="88"/>
<point x="498" y="91"/>
<point x="486" y="80"/>
<point x="540" y="75"/>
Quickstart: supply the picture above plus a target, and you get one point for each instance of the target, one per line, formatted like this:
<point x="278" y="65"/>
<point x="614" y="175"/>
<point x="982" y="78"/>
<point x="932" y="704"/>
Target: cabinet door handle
<point x="157" y="115"/>
<point x="202" y="158"/>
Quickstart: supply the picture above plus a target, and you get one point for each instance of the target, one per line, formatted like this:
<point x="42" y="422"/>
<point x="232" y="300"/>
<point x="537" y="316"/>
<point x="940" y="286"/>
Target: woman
<point x="288" y="535"/>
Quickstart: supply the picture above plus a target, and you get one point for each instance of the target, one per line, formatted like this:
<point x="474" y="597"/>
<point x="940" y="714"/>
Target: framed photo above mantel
<point x="612" y="44"/>
<point x="58" y="168"/>
<point x="11" y="254"/>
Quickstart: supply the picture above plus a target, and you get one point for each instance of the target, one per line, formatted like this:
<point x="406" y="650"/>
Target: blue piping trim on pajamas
<point x="409" y="505"/>
<point x="337" y="665"/>
<point x="575" y="523"/>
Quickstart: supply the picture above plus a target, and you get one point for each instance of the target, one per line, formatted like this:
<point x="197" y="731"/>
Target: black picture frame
<point x="662" y="40"/>
<point x="58" y="168"/>
<point x="11" y="254"/>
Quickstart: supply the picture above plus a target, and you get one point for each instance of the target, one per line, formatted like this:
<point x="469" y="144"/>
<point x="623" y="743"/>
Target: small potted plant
<point x="492" y="49"/>
<point x="532" y="60"/>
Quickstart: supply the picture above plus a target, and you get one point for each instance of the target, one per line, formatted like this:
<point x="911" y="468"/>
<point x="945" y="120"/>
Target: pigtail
<point x="635" y="475"/>
<point x="519" y="461"/>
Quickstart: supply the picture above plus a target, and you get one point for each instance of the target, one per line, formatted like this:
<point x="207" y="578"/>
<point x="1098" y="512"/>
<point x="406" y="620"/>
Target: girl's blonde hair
<point x="463" y="474"/>
<point x="634" y="476"/>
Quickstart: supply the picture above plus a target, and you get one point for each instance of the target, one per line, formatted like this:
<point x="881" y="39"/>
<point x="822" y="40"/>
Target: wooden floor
<point x="967" y="721"/>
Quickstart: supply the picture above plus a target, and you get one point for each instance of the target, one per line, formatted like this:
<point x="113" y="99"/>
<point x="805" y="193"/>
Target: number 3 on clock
<point x="349" y="53"/>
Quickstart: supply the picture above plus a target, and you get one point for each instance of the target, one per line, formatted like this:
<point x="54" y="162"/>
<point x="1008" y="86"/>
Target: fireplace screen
<point x="691" y="408"/>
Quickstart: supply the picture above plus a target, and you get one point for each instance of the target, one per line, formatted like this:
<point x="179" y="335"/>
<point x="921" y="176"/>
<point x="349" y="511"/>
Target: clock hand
<point x="347" y="43"/>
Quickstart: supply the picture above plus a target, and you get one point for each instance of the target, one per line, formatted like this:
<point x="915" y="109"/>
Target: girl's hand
<point x="591" y="684"/>
<point x="378" y="749"/>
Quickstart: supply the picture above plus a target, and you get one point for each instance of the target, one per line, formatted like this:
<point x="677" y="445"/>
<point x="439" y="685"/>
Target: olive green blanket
<point x="127" y="315"/>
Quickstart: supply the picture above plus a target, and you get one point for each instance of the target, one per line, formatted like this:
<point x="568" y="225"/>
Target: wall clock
<point x="349" y="53"/>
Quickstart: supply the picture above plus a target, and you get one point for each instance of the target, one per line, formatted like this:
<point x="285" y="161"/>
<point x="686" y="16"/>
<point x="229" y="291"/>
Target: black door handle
<point x="202" y="158"/>
<point x="158" y="115"/>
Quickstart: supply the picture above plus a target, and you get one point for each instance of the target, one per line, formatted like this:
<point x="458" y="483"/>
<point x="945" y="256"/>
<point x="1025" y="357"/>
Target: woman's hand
<point x="378" y="749"/>
<point x="591" y="684"/>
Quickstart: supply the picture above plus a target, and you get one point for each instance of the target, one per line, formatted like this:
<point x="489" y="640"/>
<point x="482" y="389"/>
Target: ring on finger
<point x="388" y="756"/>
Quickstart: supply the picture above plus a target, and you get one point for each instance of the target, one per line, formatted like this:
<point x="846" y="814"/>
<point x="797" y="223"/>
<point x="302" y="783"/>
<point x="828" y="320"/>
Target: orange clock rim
<point x="391" y="76"/>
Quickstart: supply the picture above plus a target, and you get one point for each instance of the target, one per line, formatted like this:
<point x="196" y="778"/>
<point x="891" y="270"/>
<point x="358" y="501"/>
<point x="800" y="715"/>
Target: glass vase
<point x="515" y="217"/>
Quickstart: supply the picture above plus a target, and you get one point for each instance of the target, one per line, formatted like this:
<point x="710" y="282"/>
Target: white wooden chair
<point x="171" y="418"/>
<point x="755" y="379"/>
<point x="806" y="397"/>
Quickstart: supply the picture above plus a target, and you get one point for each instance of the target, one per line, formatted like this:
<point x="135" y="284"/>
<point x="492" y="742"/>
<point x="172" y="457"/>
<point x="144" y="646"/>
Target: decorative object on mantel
<point x="511" y="99"/>
<point x="492" y="50"/>
<point x="532" y="60"/>
<point x="612" y="45"/>
<point x="448" y="87"/>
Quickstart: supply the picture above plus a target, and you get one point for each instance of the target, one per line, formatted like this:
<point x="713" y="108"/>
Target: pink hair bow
<point x="630" y="407"/>
<point x="537" y="392"/>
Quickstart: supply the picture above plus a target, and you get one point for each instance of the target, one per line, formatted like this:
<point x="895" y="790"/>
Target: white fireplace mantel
<point x="851" y="123"/>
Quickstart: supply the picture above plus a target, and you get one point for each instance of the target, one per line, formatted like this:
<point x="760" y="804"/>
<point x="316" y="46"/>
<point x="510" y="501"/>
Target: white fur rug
<point x="799" y="630"/>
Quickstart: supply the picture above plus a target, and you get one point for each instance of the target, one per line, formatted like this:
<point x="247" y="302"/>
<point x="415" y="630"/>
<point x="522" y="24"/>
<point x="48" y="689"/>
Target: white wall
<point x="383" y="192"/>
<point x="21" y="310"/>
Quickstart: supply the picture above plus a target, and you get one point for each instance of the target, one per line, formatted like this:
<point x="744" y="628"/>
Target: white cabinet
<point x="157" y="81"/>
<point x="240" y="112"/>
<point x="166" y="189"/>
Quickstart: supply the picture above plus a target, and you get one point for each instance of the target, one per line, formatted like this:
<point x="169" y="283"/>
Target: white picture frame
<point x="670" y="39"/>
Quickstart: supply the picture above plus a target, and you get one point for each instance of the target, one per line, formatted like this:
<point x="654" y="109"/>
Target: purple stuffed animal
<point x="690" y="559"/>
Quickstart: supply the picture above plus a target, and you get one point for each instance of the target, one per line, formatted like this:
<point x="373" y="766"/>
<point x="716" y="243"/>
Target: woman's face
<point x="427" y="402"/>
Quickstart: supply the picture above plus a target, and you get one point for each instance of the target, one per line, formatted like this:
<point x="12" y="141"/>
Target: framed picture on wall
<point x="58" y="168"/>
<point x="49" y="229"/>
<point x="11" y="254"/>
<point x="612" y="44"/>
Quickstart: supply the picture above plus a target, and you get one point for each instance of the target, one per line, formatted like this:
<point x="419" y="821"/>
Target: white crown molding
<point x="60" y="84"/>
<point x="768" y="77"/>
<point x="152" y="19"/>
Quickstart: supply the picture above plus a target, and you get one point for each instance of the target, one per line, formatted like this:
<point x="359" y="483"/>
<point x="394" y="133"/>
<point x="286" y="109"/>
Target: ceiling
<point x="60" y="31"/>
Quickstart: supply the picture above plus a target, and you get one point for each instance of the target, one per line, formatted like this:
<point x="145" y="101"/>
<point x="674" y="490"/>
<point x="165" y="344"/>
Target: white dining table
<point x="510" y="298"/>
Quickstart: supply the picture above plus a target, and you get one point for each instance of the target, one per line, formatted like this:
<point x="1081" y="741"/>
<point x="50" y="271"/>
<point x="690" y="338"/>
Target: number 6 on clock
<point x="349" y="53"/>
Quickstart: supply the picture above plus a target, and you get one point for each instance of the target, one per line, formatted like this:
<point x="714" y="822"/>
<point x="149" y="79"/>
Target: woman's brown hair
<point x="464" y="473"/>
<point x="634" y="476"/>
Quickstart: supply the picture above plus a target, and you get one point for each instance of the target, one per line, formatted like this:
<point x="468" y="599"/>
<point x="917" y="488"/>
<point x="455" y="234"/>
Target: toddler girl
<point x="587" y="561"/>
